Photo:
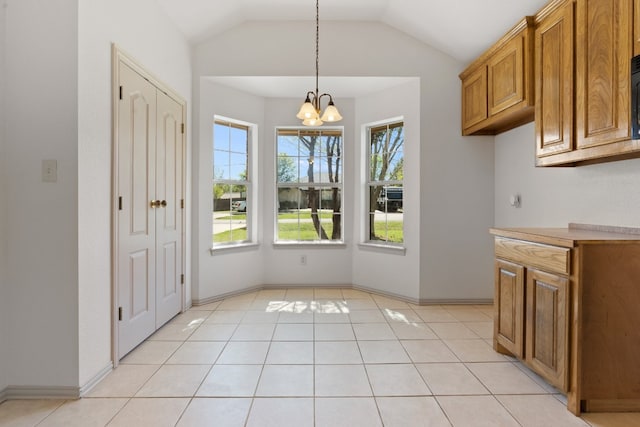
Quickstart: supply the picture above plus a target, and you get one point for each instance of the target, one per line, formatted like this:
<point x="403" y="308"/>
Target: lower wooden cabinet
<point x="538" y="300"/>
<point x="566" y="304"/>
<point x="509" y="303"/>
<point x="547" y="327"/>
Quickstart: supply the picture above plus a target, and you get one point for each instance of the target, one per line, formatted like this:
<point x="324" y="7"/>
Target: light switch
<point x="49" y="171"/>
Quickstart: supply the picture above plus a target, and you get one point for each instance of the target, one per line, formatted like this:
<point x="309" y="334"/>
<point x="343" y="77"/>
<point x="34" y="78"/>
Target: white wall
<point x="606" y="193"/>
<point x="4" y="178"/>
<point x="384" y="270"/>
<point x="456" y="174"/>
<point x="142" y="30"/>
<point x="457" y="206"/>
<point x="228" y="271"/>
<point x="41" y="294"/>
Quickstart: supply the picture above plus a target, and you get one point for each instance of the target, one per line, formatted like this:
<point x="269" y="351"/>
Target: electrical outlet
<point x="49" y="171"/>
<point x="303" y="260"/>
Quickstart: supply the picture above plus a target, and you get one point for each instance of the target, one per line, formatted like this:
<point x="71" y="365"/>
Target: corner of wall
<point x="3" y="204"/>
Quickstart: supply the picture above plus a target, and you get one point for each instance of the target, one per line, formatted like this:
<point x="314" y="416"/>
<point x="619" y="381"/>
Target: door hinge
<point x="119" y="313"/>
<point x="181" y="203"/>
<point x="182" y="127"/>
<point x="182" y="279"/>
<point x="121" y="92"/>
<point x="120" y="203"/>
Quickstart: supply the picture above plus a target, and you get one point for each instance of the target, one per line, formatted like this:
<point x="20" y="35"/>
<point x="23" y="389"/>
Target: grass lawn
<point x="393" y="233"/>
<point x="304" y="214"/>
<point x="236" y="235"/>
<point x="305" y="231"/>
<point x="234" y="216"/>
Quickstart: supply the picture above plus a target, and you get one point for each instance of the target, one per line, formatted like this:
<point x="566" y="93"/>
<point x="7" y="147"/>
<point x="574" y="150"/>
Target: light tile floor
<point x="316" y="357"/>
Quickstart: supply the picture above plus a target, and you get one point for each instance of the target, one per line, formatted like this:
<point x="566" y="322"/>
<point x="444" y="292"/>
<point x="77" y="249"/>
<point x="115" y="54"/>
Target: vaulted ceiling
<point x="460" y="28"/>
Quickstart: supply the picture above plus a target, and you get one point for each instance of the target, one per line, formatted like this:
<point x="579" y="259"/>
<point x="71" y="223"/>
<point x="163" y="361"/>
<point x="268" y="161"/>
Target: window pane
<point x="386" y="227"/>
<point x="288" y="199"/>
<point x="220" y="164"/>
<point x="287" y="168"/>
<point x="288" y="145"/>
<point x="221" y="137"/>
<point x="238" y="167"/>
<point x="307" y="174"/>
<point x="229" y="213"/>
<point x="238" y="140"/>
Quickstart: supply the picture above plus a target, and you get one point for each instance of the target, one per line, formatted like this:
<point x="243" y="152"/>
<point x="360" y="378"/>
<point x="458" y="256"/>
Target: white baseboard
<point x="226" y="295"/>
<point x="40" y="392"/>
<point x="416" y="301"/>
<point x="96" y="379"/>
<point x="399" y="297"/>
<point x="53" y="392"/>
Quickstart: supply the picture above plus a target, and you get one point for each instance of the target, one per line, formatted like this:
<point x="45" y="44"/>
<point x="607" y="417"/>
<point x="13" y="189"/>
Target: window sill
<point x="374" y="247"/>
<point x="240" y="247"/>
<point x="314" y="245"/>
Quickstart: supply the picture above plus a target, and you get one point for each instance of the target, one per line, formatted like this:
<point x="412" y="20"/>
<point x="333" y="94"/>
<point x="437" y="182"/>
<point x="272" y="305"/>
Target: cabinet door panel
<point x="547" y="326"/>
<point x="554" y="82"/>
<point x="505" y="74"/>
<point x="509" y="307"/>
<point x="474" y="98"/>
<point x="603" y="52"/>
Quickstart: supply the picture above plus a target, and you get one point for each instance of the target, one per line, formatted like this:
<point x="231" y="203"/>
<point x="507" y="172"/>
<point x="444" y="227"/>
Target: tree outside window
<point x="385" y="186"/>
<point x="309" y="182"/>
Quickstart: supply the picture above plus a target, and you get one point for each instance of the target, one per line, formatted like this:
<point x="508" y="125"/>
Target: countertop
<point x="573" y="235"/>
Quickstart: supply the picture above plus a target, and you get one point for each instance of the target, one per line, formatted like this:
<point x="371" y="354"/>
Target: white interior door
<point x="169" y="176"/>
<point x="136" y="182"/>
<point x="149" y="192"/>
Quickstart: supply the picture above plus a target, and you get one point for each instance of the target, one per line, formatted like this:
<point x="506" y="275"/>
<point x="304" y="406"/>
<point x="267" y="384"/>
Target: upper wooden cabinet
<point x="554" y="70"/>
<point x="474" y="98"/>
<point x="597" y="126"/>
<point x="497" y="88"/>
<point x="603" y="71"/>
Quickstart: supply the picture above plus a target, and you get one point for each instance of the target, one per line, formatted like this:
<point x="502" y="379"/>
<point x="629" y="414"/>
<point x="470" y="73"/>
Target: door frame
<point x="119" y="56"/>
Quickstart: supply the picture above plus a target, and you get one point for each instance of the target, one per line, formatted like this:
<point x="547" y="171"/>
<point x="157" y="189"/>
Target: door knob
<point x="155" y="204"/>
<point x="163" y="203"/>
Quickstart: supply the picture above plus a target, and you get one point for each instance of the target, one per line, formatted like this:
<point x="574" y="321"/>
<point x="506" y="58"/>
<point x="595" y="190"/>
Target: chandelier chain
<point x="317" y="43"/>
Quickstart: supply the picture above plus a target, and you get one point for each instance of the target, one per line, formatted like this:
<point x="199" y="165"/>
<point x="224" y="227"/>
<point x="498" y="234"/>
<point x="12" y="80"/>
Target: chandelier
<point x="310" y="113"/>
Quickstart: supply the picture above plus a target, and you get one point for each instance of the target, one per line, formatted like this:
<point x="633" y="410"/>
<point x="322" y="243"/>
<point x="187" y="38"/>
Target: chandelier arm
<point x="325" y="94"/>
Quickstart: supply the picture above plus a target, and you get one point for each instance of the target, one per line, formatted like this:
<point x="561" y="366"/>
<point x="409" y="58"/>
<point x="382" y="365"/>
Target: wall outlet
<point x="303" y="260"/>
<point x="49" y="171"/>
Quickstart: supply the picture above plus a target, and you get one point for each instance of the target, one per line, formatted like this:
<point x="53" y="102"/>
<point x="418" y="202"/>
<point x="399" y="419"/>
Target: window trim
<point x="292" y="131"/>
<point x="251" y="184"/>
<point x="365" y="241"/>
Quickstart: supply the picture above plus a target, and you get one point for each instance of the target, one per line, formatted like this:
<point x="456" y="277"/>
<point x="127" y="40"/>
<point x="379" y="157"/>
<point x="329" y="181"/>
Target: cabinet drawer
<point x="549" y="258"/>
